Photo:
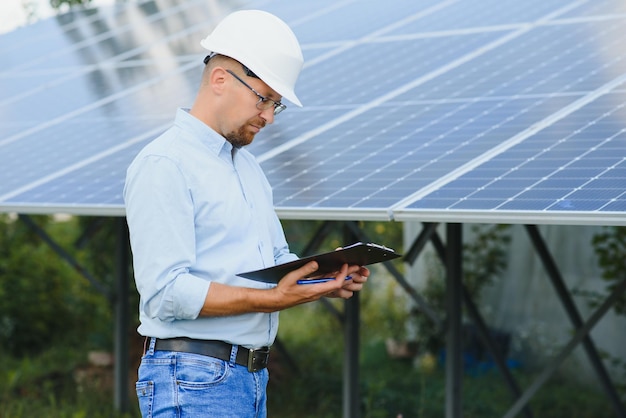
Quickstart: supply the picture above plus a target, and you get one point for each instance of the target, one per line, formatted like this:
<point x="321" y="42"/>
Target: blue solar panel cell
<point x="63" y="148"/>
<point x="607" y="9"/>
<point x="95" y="36"/>
<point x="16" y="85"/>
<point x="466" y="15"/>
<point x="101" y="88"/>
<point x="617" y="205"/>
<point x="25" y="44"/>
<point x="353" y="77"/>
<point x="548" y="60"/>
<point x="86" y="186"/>
<point x="566" y="171"/>
<point x="332" y="21"/>
<point x="408" y="160"/>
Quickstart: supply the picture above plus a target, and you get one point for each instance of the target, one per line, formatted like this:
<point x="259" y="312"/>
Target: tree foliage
<point x="57" y="4"/>
<point x="46" y="301"/>
<point x="610" y="247"/>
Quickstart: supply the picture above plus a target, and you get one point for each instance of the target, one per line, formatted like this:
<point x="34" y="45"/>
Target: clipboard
<point x="360" y="253"/>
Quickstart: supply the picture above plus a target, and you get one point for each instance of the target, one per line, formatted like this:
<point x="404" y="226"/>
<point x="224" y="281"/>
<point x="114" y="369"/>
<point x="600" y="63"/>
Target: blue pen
<point x="320" y="280"/>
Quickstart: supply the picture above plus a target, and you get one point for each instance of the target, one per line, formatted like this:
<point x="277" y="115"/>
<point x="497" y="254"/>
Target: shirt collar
<point x="215" y="142"/>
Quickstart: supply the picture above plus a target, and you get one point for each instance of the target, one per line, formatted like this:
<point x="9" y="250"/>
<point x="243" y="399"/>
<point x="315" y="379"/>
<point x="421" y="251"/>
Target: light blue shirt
<point x="200" y="212"/>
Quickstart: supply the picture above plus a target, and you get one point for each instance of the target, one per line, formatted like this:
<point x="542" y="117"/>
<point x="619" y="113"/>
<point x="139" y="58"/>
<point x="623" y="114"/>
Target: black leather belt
<point x="254" y="359"/>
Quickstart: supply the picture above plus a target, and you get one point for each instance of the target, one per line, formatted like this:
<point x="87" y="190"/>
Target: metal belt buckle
<point x="258" y="358"/>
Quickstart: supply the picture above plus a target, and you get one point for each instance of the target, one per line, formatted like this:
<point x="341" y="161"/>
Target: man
<point x="200" y="211"/>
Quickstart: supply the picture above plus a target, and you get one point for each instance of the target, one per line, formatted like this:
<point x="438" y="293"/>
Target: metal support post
<point x="351" y="395"/>
<point x="351" y="352"/>
<point x="121" y="365"/>
<point x="454" y="359"/>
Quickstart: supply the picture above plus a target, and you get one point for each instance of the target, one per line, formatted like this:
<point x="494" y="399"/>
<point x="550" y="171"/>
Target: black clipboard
<point x="361" y="254"/>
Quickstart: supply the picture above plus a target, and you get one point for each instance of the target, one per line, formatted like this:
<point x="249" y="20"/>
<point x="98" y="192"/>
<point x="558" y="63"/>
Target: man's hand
<point x="359" y="277"/>
<point x="230" y="300"/>
<point x="337" y="288"/>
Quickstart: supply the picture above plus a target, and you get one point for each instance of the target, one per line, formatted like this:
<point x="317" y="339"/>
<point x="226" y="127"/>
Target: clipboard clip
<point x="370" y="244"/>
<point x="382" y="247"/>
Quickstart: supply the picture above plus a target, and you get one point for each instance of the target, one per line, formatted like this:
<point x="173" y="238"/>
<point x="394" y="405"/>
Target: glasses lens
<point x="279" y="108"/>
<point x="265" y="103"/>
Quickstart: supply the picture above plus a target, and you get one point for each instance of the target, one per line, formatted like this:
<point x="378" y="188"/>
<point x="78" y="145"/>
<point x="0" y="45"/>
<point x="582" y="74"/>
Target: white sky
<point x="16" y="13"/>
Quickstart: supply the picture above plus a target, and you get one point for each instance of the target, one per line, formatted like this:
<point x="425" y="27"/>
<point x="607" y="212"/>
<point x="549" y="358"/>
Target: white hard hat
<point x="263" y="43"/>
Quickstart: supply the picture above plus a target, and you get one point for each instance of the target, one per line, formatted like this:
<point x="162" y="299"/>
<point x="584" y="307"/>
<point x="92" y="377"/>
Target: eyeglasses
<point x="264" y="103"/>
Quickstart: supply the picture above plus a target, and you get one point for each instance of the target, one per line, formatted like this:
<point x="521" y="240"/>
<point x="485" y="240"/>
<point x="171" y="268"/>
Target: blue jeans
<point x="184" y="385"/>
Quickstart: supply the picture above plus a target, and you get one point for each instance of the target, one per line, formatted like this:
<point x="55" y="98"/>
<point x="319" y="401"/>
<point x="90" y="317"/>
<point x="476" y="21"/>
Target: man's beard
<point x="242" y="136"/>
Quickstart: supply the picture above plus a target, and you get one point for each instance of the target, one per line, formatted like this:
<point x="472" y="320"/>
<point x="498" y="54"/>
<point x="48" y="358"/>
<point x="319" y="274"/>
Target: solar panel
<point x="445" y="110"/>
<point x="577" y="164"/>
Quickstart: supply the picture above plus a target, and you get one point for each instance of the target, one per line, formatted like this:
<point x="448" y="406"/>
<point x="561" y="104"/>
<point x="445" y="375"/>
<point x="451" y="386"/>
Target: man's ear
<point x="217" y="80"/>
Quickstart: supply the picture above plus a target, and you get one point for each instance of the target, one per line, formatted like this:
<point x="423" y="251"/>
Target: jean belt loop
<point x="151" y="343"/>
<point x="233" y="355"/>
